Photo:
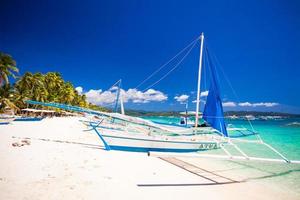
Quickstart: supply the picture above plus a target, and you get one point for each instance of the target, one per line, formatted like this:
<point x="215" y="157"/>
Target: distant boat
<point x="293" y="124"/>
<point x="250" y="117"/>
<point x="6" y="119"/>
<point x="232" y="117"/>
<point x="271" y="118"/>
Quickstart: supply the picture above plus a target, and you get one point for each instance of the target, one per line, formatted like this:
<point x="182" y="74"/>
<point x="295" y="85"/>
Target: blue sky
<point x="95" y="43"/>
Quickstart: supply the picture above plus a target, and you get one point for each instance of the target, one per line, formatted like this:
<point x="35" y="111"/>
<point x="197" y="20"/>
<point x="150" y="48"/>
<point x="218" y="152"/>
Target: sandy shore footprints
<point x="21" y="143"/>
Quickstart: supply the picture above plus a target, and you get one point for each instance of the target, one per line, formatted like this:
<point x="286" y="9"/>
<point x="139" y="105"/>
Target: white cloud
<point x="261" y="104"/>
<point x="229" y="104"/>
<point x="151" y="92"/>
<point x="204" y="94"/>
<point x="113" y="88"/>
<point x="100" y="97"/>
<point x="79" y="89"/>
<point x="195" y="101"/>
<point x="182" y="98"/>
<point x="245" y="104"/>
<point x="266" y="104"/>
<point x="137" y="96"/>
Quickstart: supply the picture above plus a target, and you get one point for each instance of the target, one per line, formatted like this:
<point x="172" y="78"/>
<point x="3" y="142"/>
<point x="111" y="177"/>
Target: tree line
<point x="49" y="87"/>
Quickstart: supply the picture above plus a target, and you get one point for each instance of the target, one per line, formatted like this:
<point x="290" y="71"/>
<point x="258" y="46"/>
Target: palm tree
<point x="30" y="86"/>
<point x="53" y="82"/>
<point x="25" y="84"/>
<point x="48" y="87"/>
<point x="79" y="100"/>
<point x="67" y="93"/>
<point x="7" y="68"/>
<point x="6" y="96"/>
<point x="23" y="90"/>
<point x="39" y="91"/>
<point x="19" y="98"/>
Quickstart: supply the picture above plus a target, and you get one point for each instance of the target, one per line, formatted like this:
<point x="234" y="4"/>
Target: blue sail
<point x="213" y="110"/>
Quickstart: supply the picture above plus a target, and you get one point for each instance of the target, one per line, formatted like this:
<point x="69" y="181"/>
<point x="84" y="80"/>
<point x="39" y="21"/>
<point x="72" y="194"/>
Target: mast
<point x="186" y="113"/>
<point x="121" y="102"/>
<point x="199" y="80"/>
<point x="119" y="97"/>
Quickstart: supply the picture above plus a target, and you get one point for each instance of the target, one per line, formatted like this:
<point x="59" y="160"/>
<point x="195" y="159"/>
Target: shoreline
<point x="62" y="161"/>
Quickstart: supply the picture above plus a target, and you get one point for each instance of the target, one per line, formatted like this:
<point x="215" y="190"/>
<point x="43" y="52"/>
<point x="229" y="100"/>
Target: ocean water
<point x="284" y="135"/>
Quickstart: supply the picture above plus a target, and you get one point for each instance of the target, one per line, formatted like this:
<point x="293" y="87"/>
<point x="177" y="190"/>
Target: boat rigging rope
<point x="180" y="61"/>
<point x="204" y="72"/>
<point x="115" y="84"/>
<point x="233" y="90"/>
<point x="165" y="64"/>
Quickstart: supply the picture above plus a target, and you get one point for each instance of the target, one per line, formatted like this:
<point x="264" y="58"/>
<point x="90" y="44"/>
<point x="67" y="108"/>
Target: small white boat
<point x="120" y="140"/>
<point x="5" y="122"/>
<point x="250" y="117"/>
<point x="135" y="134"/>
<point x="6" y="119"/>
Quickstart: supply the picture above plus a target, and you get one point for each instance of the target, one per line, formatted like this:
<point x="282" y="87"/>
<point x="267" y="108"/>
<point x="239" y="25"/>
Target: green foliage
<point x="7" y="68"/>
<point x="6" y="98"/>
<point x="138" y="113"/>
<point x="98" y="108"/>
<point x="48" y="87"/>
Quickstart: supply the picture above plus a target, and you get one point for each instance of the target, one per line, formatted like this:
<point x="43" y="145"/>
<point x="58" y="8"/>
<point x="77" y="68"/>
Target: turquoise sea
<point x="283" y="134"/>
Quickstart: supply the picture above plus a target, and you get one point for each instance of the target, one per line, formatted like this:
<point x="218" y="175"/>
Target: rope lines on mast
<point x="205" y="70"/>
<point x="233" y="90"/>
<point x="180" y="61"/>
<point x="116" y="83"/>
<point x="166" y="63"/>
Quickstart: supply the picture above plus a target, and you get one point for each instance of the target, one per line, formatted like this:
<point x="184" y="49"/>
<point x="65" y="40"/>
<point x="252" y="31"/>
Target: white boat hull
<point x="145" y="143"/>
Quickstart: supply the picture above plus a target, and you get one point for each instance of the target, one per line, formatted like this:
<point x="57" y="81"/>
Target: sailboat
<point x="135" y="134"/>
<point x="118" y="131"/>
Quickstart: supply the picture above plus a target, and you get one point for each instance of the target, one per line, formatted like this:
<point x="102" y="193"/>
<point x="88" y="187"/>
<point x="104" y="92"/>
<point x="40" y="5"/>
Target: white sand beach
<point x="57" y="159"/>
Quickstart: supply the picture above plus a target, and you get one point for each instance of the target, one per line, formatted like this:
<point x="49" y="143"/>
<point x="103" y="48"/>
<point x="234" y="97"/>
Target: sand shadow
<point x="86" y="145"/>
<point x="182" y="184"/>
<point x="210" y="177"/>
<point x="263" y="169"/>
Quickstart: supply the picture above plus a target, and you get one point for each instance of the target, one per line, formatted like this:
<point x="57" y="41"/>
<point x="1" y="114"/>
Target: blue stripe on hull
<point x="27" y="119"/>
<point x="147" y="149"/>
<point x="4" y="123"/>
<point x="151" y="140"/>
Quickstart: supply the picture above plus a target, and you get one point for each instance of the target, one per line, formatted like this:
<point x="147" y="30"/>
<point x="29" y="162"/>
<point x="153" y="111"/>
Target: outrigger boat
<point x="6" y="119"/>
<point x="126" y="133"/>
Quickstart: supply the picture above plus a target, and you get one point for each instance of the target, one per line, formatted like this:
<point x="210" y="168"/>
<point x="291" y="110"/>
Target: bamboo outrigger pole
<point x="226" y="157"/>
